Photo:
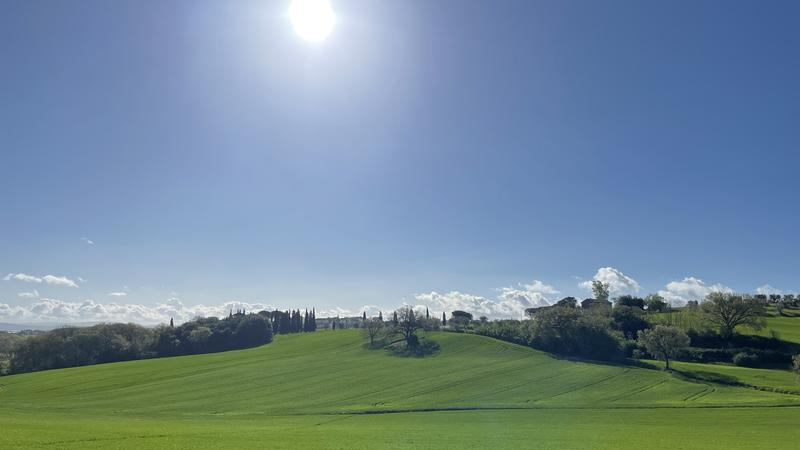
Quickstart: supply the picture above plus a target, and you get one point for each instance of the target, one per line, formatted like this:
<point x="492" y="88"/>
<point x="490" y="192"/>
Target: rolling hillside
<point x="475" y="389"/>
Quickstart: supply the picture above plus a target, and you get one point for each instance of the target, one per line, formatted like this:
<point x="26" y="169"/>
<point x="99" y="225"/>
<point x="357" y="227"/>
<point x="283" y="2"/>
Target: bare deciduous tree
<point x="372" y="329"/>
<point x="726" y="311"/>
<point x="408" y="323"/>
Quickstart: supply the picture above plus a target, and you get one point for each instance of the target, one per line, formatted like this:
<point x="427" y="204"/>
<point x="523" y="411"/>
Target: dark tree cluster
<point x="205" y="335"/>
<point x="571" y="331"/>
<point x="286" y="322"/>
<point x="71" y="346"/>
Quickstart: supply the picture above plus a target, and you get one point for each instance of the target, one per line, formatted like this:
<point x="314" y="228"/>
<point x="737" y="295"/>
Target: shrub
<point x="562" y="330"/>
<point x="746" y="359"/>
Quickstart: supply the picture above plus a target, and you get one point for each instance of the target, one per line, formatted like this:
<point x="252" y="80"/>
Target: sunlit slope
<point x="787" y="327"/>
<point x="329" y="372"/>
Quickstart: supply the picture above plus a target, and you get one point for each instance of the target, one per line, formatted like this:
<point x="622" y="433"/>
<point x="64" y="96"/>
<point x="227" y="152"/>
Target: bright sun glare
<point x="312" y="19"/>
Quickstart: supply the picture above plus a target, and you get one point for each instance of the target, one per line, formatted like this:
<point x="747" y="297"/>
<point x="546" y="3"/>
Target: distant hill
<point x="324" y="389"/>
<point x="44" y="326"/>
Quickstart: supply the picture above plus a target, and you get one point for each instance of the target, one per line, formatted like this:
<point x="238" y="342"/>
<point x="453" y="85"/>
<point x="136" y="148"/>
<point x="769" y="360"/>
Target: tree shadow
<point x="710" y="377"/>
<point x="424" y="347"/>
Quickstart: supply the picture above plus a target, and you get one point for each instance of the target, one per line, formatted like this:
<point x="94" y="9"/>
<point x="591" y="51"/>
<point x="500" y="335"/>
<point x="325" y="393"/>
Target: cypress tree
<point x="444" y="319"/>
<point x="171" y="323"/>
<point x="427" y="314"/>
<point x="394" y="319"/>
<point x="364" y="317"/>
<point x="380" y="316"/>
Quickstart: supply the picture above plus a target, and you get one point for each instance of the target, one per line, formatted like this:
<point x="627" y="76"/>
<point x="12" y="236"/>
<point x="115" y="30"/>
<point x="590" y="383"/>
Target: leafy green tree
<point x="575" y="332"/>
<point x="727" y="311"/>
<point x="655" y="303"/>
<point x="600" y="290"/>
<point x="200" y="337"/>
<point x="629" y="300"/>
<point x="664" y="342"/>
<point x="252" y="330"/>
<point x="629" y="320"/>
<point x="460" y="319"/>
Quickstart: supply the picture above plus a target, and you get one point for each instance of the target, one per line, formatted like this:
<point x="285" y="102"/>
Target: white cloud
<point x="52" y="310"/>
<point x="690" y="288"/>
<point x="32" y="294"/>
<point x="47" y="279"/>
<point x="511" y="302"/>
<point x="87" y="240"/>
<point x="768" y="290"/>
<point x="618" y="282"/>
<point x="117" y="294"/>
<point x="371" y="310"/>
<point x="22" y="277"/>
<point x="59" y="281"/>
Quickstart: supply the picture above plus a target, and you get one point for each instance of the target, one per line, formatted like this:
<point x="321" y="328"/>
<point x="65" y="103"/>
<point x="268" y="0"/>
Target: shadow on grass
<point x="424" y="347"/>
<point x="710" y="377"/>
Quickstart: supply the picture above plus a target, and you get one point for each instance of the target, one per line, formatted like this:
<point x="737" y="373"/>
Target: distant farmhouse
<point x="570" y="302"/>
<point x="338" y="323"/>
<point x="593" y="303"/>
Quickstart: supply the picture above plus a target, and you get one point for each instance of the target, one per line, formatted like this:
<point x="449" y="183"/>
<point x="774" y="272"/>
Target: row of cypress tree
<point x="294" y="321"/>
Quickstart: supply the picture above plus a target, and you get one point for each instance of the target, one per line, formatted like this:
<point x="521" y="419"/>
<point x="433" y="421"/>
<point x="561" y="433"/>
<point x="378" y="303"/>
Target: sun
<point x="312" y="20"/>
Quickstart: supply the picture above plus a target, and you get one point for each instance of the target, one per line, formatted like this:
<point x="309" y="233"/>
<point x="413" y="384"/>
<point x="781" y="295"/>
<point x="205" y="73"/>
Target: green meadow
<point x="787" y="328"/>
<point x="325" y="390"/>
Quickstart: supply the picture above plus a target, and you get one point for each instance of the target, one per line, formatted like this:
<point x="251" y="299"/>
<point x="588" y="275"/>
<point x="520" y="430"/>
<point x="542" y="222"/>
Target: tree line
<point x="631" y="328"/>
<point x="80" y="346"/>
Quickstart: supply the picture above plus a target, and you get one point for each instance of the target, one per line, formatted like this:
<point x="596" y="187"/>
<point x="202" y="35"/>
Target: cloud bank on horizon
<point x="509" y="302"/>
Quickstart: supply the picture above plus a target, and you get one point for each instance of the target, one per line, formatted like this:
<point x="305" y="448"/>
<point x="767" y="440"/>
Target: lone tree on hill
<point x="408" y="323"/>
<point x="600" y="290"/>
<point x="727" y="311"/>
<point x="372" y="329"/>
<point x="664" y="342"/>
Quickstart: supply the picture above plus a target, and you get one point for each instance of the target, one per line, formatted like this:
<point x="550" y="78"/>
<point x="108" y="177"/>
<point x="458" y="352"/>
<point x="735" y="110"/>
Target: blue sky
<point x="474" y="154"/>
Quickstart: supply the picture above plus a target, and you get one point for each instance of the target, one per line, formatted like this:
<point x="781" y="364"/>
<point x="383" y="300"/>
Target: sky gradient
<point x="157" y="156"/>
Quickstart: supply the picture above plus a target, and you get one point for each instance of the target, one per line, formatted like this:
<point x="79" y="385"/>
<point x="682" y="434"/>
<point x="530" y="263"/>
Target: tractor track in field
<point x="538" y="408"/>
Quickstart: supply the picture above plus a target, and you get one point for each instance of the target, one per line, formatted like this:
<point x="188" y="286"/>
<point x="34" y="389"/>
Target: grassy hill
<point x="787" y="327"/>
<point x="325" y="390"/>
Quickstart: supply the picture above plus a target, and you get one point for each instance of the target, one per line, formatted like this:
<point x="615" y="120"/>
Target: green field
<point x="325" y="390"/>
<point x="788" y="328"/>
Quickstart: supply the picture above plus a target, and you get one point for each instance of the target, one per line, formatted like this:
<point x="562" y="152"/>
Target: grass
<point x="324" y="390"/>
<point x="777" y="380"/>
<point x="787" y="327"/>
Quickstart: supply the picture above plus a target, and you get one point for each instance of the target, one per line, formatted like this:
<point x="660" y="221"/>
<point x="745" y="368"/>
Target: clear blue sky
<point x="212" y="155"/>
